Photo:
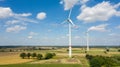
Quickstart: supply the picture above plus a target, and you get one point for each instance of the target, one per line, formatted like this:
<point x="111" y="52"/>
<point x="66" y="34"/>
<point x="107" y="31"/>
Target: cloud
<point x="31" y="34"/>
<point x="68" y="4"/>
<point x="12" y="18"/>
<point x="30" y="37"/>
<point x="23" y="19"/>
<point x="15" y="28"/>
<point x="112" y="34"/>
<point x="49" y="30"/>
<point x="100" y="12"/>
<point x="5" y="12"/>
<point x="41" y="15"/>
<point x="83" y="1"/>
<point x="23" y="14"/>
<point x="100" y="28"/>
<point x="118" y="27"/>
<point x="11" y="22"/>
<point x="118" y="13"/>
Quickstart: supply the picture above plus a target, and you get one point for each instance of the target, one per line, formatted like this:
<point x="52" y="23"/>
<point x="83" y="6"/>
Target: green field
<point x="12" y="59"/>
<point x="42" y="65"/>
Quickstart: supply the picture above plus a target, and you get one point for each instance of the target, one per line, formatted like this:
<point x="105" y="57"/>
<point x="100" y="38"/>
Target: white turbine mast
<point x="70" y="26"/>
<point x="87" y="37"/>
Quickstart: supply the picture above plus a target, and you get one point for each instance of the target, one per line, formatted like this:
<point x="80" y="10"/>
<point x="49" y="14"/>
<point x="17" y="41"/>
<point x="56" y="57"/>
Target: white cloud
<point x="49" y="30"/>
<point x="30" y="37"/>
<point x="68" y="4"/>
<point x="5" y="12"/>
<point x="118" y="13"/>
<point x="41" y="15"/>
<point x="17" y="18"/>
<point x="83" y="1"/>
<point x="117" y="5"/>
<point x="12" y="22"/>
<point x="118" y="27"/>
<point x="100" y="12"/>
<point x="15" y="28"/>
<point x="100" y="28"/>
<point x="31" y="34"/>
<point x="61" y="2"/>
<point x="112" y="34"/>
<point x="23" y="14"/>
<point x="22" y="19"/>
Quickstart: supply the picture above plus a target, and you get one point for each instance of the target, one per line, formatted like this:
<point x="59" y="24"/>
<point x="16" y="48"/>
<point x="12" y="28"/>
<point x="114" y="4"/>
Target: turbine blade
<point x="64" y="22"/>
<point x="70" y="13"/>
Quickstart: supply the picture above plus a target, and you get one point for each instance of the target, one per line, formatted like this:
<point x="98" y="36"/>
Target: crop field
<point x="42" y="65"/>
<point x="12" y="59"/>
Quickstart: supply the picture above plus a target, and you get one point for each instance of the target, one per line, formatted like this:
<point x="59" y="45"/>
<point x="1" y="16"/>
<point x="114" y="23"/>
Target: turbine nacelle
<point x="70" y="21"/>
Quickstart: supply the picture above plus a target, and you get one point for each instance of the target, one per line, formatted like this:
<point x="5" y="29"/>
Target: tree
<point x="48" y="55"/>
<point x="39" y="56"/>
<point x="97" y="61"/>
<point x="107" y="49"/>
<point x="10" y="50"/>
<point x="102" y="61"/>
<point x="34" y="55"/>
<point x="23" y="55"/>
<point x="89" y="57"/>
<point x="28" y="55"/>
<point x="67" y="50"/>
<point x="118" y="50"/>
<point x="85" y="51"/>
<point x="53" y="54"/>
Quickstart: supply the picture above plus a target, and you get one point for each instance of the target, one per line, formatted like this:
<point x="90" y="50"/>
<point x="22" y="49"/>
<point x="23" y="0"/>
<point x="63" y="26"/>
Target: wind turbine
<point x="69" y="29"/>
<point x="87" y="37"/>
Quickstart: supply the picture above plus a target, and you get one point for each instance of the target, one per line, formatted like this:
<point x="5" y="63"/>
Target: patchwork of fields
<point x="12" y="59"/>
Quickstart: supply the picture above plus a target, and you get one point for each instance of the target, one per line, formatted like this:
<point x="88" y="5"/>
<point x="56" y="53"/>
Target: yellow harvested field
<point x="12" y="58"/>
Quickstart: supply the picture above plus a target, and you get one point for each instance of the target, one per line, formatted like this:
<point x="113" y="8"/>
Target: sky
<point x="39" y="22"/>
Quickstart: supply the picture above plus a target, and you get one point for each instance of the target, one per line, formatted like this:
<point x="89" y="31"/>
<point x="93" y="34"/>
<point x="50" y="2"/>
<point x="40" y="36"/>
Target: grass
<point x="84" y="62"/>
<point x="42" y="65"/>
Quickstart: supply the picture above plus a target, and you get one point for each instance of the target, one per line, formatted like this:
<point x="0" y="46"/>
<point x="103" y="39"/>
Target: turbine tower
<point x="87" y="34"/>
<point x="69" y="29"/>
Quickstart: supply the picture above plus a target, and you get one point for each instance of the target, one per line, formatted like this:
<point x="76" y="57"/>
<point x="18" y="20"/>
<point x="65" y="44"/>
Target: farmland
<point x="12" y="59"/>
<point x="42" y="65"/>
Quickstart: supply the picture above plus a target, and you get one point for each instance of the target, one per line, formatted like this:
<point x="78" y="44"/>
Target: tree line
<point x="103" y="61"/>
<point x="36" y="56"/>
